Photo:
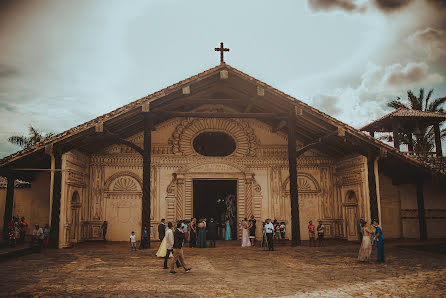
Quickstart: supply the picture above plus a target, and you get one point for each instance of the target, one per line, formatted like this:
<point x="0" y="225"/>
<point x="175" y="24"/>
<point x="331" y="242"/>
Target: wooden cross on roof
<point x="221" y="49"/>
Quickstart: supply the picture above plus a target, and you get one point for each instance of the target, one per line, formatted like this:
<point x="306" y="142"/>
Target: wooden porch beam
<point x="421" y="211"/>
<point x="9" y="203"/>
<point x="146" y="204"/>
<point x="220" y="115"/>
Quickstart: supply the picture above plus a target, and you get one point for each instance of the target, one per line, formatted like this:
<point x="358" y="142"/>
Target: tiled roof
<point x="403" y="113"/>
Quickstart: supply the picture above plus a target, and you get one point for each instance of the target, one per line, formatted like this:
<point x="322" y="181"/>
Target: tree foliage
<point x="34" y="137"/>
<point x="424" y="141"/>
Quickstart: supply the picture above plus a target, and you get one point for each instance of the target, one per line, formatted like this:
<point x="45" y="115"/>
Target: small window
<point x="214" y="144"/>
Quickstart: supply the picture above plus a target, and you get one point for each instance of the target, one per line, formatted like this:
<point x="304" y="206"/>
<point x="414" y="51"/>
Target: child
<point x="133" y="241"/>
<point x="277" y="231"/>
<point x="282" y="230"/>
<point x="311" y="235"/>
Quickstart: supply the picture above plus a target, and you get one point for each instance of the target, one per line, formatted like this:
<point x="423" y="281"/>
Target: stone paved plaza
<point x="112" y="270"/>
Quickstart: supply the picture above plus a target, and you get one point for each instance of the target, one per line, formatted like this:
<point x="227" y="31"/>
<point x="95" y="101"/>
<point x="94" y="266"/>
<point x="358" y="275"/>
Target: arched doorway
<point x="75" y="217"/>
<point x="351" y="215"/>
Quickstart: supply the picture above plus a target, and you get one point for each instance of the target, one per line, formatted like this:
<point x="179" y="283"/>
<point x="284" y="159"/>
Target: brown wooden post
<point x="421" y="212"/>
<point x="9" y="203"/>
<point x="410" y="143"/>
<point x="438" y="140"/>
<point x="146" y="174"/>
<point x="374" y="214"/>
<point x="396" y="137"/>
<point x="372" y="134"/>
<point x="294" y="195"/>
<point x="55" y="209"/>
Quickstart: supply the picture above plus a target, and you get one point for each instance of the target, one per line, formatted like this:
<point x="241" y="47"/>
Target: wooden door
<point x="351" y="222"/>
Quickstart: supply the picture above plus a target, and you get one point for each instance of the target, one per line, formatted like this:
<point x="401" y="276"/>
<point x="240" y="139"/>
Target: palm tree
<point x="425" y="138"/>
<point x="34" y="137"/>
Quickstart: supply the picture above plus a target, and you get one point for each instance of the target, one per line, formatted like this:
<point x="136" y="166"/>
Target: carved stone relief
<point x="188" y="129"/>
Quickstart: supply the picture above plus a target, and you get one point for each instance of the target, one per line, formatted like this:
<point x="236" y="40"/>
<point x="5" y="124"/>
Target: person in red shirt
<point x="23" y="228"/>
<point x="311" y="235"/>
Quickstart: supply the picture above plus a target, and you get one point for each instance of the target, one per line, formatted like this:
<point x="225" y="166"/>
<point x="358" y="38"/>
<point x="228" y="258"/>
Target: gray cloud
<point x="328" y="5"/>
<point x="391" y="5"/>
<point x="7" y="71"/>
<point x="429" y="42"/>
<point x="327" y="103"/>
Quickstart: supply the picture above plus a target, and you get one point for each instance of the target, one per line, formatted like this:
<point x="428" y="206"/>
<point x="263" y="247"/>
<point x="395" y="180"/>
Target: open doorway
<point x="217" y="199"/>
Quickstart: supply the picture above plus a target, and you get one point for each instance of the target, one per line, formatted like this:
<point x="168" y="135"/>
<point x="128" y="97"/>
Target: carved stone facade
<point x="109" y="183"/>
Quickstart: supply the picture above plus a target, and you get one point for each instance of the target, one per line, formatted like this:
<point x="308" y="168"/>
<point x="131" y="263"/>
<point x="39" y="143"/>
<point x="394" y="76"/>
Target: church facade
<point x="151" y="159"/>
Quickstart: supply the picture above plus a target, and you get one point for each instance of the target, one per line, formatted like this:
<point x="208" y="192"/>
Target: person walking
<point x="178" y="247"/>
<point x="212" y="232"/>
<point x="161" y="229"/>
<point x="269" y="229"/>
<point x="169" y="243"/>
<point x="379" y="238"/>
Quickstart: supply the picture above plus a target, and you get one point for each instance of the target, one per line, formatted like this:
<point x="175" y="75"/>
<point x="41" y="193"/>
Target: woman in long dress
<point x="193" y="233"/>
<point x="201" y="239"/>
<point x="162" y="250"/>
<point x="366" y="246"/>
<point x="245" y="234"/>
<point x="228" y="231"/>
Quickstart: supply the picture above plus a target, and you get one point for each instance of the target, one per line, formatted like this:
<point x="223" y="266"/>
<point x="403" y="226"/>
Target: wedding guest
<point x="23" y="229"/>
<point x="245" y="233"/>
<point x="320" y="232"/>
<point x="252" y="230"/>
<point x="193" y="232"/>
<point x="212" y="232"/>
<point x="282" y="230"/>
<point x="37" y="235"/>
<point x="186" y="230"/>
<point x="201" y="239"/>
<point x="46" y="236"/>
<point x="360" y="224"/>
<point x="161" y="229"/>
<point x="269" y="230"/>
<point x="178" y="247"/>
<point x="311" y="235"/>
<point x="145" y="238"/>
<point x="379" y="238"/>
<point x="169" y="243"/>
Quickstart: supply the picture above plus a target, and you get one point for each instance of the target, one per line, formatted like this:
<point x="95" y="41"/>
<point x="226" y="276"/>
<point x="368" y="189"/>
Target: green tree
<point x="34" y="137"/>
<point x="424" y="139"/>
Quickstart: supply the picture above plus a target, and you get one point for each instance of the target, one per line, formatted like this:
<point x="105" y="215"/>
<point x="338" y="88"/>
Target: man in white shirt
<point x="269" y="228"/>
<point x="169" y="243"/>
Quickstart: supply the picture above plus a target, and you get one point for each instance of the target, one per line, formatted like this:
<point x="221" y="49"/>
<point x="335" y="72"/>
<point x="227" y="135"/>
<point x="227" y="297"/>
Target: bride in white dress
<point x="366" y="246"/>
<point x="245" y="233"/>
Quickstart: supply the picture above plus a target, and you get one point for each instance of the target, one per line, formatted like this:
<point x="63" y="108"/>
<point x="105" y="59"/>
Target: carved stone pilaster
<point x="180" y="199"/>
<point x="248" y="197"/>
<point x="171" y="198"/>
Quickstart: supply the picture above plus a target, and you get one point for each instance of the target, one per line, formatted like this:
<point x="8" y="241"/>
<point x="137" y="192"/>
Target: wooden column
<point x="438" y="140"/>
<point x="146" y="174"/>
<point x="372" y="188"/>
<point x="294" y="195"/>
<point x="421" y="212"/>
<point x="410" y="143"/>
<point x="55" y="209"/>
<point x="396" y="137"/>
<point x="372" y="134"/>
<point x="9" y="203"/>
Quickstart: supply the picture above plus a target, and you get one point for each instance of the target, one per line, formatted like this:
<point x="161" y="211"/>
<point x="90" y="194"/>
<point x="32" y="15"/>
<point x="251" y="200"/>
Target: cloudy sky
<point x="65" y="62"/>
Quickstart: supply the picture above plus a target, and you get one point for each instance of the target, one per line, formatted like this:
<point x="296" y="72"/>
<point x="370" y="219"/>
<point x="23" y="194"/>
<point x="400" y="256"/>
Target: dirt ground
<point x="111" y="269"/>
